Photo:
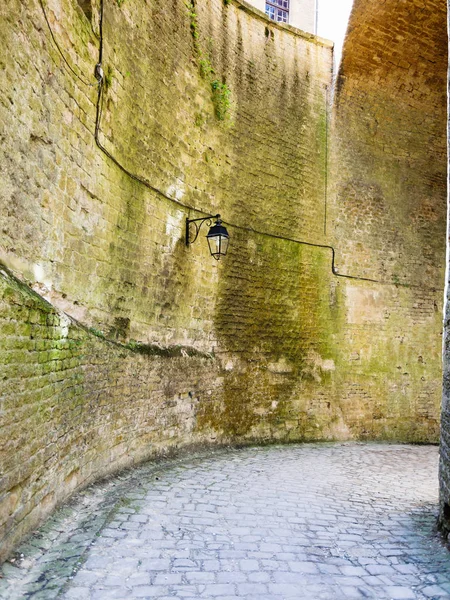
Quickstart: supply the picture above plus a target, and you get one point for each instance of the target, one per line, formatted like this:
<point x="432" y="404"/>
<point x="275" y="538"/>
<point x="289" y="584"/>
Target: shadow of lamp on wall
<point x="217" y="235"/>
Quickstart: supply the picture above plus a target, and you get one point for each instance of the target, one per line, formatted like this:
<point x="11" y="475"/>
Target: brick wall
<point x="388" y="200"/>
<point x="119" y="342"/>
<point x="444" y="464"/>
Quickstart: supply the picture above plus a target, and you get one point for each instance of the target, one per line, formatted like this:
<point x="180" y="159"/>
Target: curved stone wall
<point x="444" y="465"/>
<point x="388" y="206"/>
<point x="390" y="142"/>
<point x="208" y="106"/>
<point x="118" y="343"/>
<point x="388" y="209"/>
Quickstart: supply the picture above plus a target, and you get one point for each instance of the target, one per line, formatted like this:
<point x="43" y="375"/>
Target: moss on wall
<point x="387" y="213"/>
<point x="176" y="349"/>
<point x="76" y="406"/>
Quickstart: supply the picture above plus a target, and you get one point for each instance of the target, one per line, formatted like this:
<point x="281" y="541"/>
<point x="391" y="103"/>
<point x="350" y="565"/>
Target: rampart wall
<point x="444" y="464"/>
<point x="387" y="208"/>
<point x="118" y="343"/>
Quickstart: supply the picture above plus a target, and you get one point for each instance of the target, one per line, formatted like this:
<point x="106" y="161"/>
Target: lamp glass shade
<point x="218" y="240"/>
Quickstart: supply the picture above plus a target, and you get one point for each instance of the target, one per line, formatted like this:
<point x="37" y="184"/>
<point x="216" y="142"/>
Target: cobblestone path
<point x="315" y="521"/>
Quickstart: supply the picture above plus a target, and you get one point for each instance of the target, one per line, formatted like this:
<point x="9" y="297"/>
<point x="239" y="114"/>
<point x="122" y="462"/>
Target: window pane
<point x="282" y="3"/>
<point x="278" y="10"/>
<point x="282" y="16"/>
<point x="270" y="11"/>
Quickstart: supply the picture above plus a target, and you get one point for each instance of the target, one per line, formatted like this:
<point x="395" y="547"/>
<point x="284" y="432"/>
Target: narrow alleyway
<point x="315" y="521"/>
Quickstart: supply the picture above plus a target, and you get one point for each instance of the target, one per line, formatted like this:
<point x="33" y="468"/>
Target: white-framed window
<point x="278" y="10"/>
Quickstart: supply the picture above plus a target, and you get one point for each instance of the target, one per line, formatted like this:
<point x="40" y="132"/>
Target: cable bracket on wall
<point x="99" y="74"/>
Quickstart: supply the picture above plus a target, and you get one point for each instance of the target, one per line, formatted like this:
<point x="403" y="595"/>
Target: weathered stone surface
<point x="217" y="109"/>
<point x="257" y="523"/>
<point x="387" y="206"/>
<point x="444" y="465"/>
<point x="389" y="143"/>
<point x="75" y="407"/>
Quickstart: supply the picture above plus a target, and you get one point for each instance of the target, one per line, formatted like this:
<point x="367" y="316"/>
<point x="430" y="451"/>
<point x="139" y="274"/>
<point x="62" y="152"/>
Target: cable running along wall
<point x="148" y="185"/>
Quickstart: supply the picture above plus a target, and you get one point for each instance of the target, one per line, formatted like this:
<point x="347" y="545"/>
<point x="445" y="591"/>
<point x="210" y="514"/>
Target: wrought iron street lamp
<point x="217" y="235"/>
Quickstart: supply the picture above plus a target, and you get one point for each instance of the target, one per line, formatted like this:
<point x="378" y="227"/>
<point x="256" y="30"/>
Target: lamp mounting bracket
<point x="197" y="224"/>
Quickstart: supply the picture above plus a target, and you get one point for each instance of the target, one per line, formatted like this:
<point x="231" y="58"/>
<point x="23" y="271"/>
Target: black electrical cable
<point x="148" y="185"/>
<point x="141" y="180"/>
<point x="41" y="2"/>
<point x="99" y="111"/>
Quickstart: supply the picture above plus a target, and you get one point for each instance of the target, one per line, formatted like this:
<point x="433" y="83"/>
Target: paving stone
<point x="380" y="570"/>
<point x="349" y="592"/>
<point x="148" y="591"/>
<point x="139" y="579"/>
<point x="350" y="570"/>
<point x="167" y="579"/>
<point x="303" y="567"/>
<point x="259" y="577"/>
<point x="284" y="589"/>
<point x="309" y="522"/>
<point x="297" y="578"/>
<point x="200" y="577"/>
<point x="113" y="580"/>
<point x="434" y="591"/>
<point x="249" y="565"/>
<point x="400" y="593"/>
<point x="232" y="577"/>
<point x="78" y="593"/>
<point x="110" y="594"/>
<point x="97" y="562"/>
<point x="155" y="564"/>
<point x="218" y="589"/>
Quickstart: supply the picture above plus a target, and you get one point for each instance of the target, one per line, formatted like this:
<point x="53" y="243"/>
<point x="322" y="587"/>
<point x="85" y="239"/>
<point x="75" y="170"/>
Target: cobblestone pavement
<point x="314" y="521"/>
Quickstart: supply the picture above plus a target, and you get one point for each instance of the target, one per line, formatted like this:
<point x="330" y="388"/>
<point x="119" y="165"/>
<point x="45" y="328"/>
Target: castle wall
<point x="444" y="464"/>
<point x="388" y="195"/>
<point x="118" y="343"/>
<point x="387" y="206"/>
